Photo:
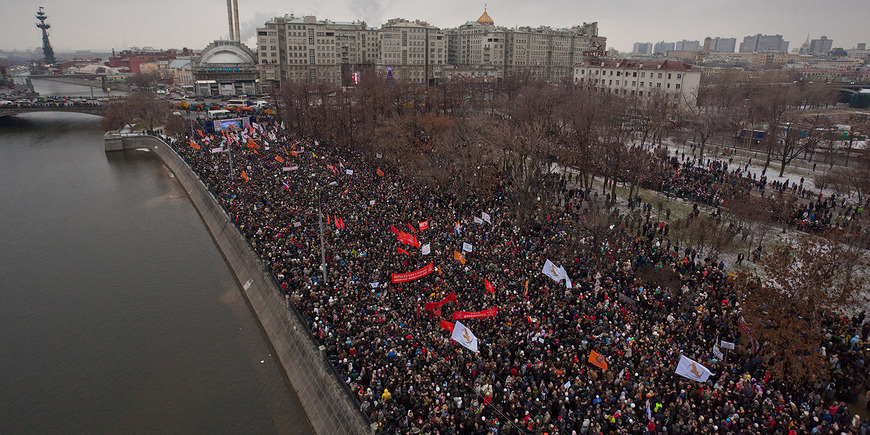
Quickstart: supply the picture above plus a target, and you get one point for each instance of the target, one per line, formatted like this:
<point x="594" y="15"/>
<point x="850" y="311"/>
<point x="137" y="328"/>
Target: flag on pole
<point x="327" y="220"/>
<point x="551" y="271"/>
<point x="424" y="225"/>
<point x="245" y="176"/>
<point x="341" y="219"/>
<point x="688" y="368"/>
<point x="466" y="247"/>
<point x="380" y="172"/>
<point x="478" y="220"/>
<point x="489" y="287"/>
<point x="486" y="217"/>
<point x="597" y="360"/>
<point x="279" y="159"/>
<point x="464" y="336"/>
<point x="459" y="257"/>
<point x="194" y="145"/>
<point x="286" y="186"/>
<point x="402" y="251"/>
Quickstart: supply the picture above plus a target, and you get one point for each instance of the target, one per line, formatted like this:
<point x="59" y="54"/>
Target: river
<point x="118" y="313"/>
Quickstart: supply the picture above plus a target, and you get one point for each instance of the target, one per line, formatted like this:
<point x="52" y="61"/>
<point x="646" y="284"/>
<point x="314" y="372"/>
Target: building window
<point x="669" y="76"/>
<point x="679" y="76"/>
<point x="678" y="86"/>
<point x="658" y="85"/>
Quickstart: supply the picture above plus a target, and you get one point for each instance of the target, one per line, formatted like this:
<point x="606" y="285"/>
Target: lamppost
<point x="320" y="220"/>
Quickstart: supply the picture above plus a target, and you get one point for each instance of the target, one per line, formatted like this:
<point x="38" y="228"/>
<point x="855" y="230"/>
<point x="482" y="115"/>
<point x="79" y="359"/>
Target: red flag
<point x="411" y="229"/>
<point x="252" y="144"/>
<point x="394" y="230"/>
<point x="327" y="219"/>
<point x="435" y="305"/>
<point x="279" y="159"/>
<point x="447" y="325"/>
<point x="342" y="222"/>
<point x="489" y="287"/>
<point x="194" y="145"/>
<point x="335" y="221"/>
<point x="424" y="225"/>
<point x="416" y="243"/>
<point x="402" y="251"/>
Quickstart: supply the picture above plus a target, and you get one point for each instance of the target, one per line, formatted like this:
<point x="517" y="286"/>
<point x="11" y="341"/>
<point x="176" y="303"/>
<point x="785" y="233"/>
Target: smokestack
<point x="236" y="7"/>
<point x="230" y="18"/>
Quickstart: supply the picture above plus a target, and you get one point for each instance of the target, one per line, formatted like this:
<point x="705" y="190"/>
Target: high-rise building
<point x="663" y="47"/>
<point x="821" y="46"/>
<point x="305" y="49"/>
<point x="412" y="50"/>
<point x="685" y="45"/>
<point x="760" y="43"/>
<point x="642" y="48"/>
<point x="720" y="45"/>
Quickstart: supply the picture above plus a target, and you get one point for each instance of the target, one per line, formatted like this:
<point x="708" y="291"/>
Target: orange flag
<point x="459" y="257"/>
<point x="597" y="360"/>
<point x="200" y="133"/>
<point x="245" y="176"/>
<point x="279" y="159"/>
<point x="380" y="172"/>
<point x="194" y="145"/>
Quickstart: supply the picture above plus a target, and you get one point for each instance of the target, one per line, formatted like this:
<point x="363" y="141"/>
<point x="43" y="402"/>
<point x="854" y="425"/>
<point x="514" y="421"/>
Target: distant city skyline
<point x="102" y="25"/>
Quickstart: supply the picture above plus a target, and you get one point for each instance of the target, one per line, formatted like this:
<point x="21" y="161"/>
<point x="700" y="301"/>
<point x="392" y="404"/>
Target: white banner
<point x="349" y="172"/>
<point x="297" y="224"/>
<point x="374" y="284"/>
<point x="478" y="220"/>
<point x="466" y="247"/>
<point x="726" y="345"/>
<point x="426" y="249"/>
<point x="486" y="217"/>
<point x="717" y="352"/>
<point x="551" y="271"/>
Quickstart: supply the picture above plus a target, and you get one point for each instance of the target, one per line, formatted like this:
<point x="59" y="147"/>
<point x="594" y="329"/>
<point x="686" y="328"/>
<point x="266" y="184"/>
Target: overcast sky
<point x="119" y="24"/>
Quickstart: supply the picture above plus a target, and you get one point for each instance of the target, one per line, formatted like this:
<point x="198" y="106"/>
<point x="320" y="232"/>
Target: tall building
<point x="480" y="48"/>
<point x="821" y="46"/>
<point x="685" y="45"/>
<point x="760" y="43"/>
<point x="305" y="49"/>
<point x="642" y="48"/>
<point x="720" y="45"/>
<point x="663" y="47"/>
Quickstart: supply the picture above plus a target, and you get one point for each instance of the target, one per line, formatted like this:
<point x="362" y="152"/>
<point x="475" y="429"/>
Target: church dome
<point x="485" y="19"/>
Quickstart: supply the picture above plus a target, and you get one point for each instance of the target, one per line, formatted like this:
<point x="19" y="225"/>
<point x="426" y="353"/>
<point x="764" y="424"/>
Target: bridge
<point x="102" y="81"/>
<point x="15" y="109"/>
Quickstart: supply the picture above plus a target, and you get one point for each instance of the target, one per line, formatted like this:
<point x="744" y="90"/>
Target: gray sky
<point x="119" y="24"/>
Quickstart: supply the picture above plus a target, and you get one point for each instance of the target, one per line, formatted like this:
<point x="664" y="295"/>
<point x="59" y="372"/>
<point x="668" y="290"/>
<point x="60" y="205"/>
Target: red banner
<point x="436" y="305"/>
<point x="410" y="276"/>
<point x="459" y="315"/>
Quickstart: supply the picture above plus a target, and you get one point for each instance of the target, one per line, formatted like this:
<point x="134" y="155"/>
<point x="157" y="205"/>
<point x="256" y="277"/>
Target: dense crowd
<point x="531" y="374"/>
<point x="713" y="183"/>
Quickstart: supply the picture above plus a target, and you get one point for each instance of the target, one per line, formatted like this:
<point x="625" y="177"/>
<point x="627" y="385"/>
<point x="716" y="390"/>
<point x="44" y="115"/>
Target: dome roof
<point x="227" y="52"/>
<point x="485" y="19"/>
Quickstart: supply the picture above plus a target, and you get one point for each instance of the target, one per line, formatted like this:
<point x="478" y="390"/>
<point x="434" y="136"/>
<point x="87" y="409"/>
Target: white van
<point x="219" y="114"/>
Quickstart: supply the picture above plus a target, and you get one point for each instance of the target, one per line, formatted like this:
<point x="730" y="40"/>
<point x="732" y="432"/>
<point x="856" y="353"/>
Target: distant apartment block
<point x="642" y="48"/>
<point x="720" y="45"/>
<point x="640" y="78"/>
<point x="687" y="45"/>
<point x="663" y="47"/>
<point x="760" y="43"/>
<point x="305" y="49"/>
<point x="821" y="46"/>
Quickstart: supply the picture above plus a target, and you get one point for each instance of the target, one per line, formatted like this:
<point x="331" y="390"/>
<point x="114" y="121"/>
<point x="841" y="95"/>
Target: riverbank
<point x="329" y="408"/>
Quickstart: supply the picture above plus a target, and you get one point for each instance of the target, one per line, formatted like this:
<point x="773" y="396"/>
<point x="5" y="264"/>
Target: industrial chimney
<point x="236" y="7"/>
<point x="230" y="18"/>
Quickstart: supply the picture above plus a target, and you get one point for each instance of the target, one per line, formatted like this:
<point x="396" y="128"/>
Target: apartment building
<point x="640" y="78"/>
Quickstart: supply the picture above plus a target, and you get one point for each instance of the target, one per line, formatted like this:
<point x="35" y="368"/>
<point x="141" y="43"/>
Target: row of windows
<point x="626" y="73"/>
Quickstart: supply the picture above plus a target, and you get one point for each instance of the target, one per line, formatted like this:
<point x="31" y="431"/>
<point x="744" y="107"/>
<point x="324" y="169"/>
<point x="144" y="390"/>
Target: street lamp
<point x="320" y="220"/>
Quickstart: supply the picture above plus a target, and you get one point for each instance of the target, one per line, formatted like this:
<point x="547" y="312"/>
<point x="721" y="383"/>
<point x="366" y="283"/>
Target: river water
<point x="117" y="311"/>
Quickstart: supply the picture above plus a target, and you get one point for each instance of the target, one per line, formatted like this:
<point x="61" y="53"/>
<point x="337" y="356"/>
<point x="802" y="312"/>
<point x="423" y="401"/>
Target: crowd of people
<point x="531" y="373"/>
<point x="713" y="183"/>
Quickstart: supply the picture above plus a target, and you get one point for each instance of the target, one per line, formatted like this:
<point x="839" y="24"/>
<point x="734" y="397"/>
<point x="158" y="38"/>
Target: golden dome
<point x="485" y="19"/>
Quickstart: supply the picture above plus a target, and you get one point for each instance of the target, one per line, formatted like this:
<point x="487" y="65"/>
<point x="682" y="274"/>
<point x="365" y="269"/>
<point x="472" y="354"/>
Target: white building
<point x="640" y="78"/>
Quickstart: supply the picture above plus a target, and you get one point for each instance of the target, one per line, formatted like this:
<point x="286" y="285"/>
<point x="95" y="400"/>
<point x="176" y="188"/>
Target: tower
<point x="47" y="51"/>
<point x="233" y="19"/>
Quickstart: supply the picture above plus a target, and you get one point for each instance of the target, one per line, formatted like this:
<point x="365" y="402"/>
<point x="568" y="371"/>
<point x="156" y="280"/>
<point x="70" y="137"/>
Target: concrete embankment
<point x="327" y="403"/>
